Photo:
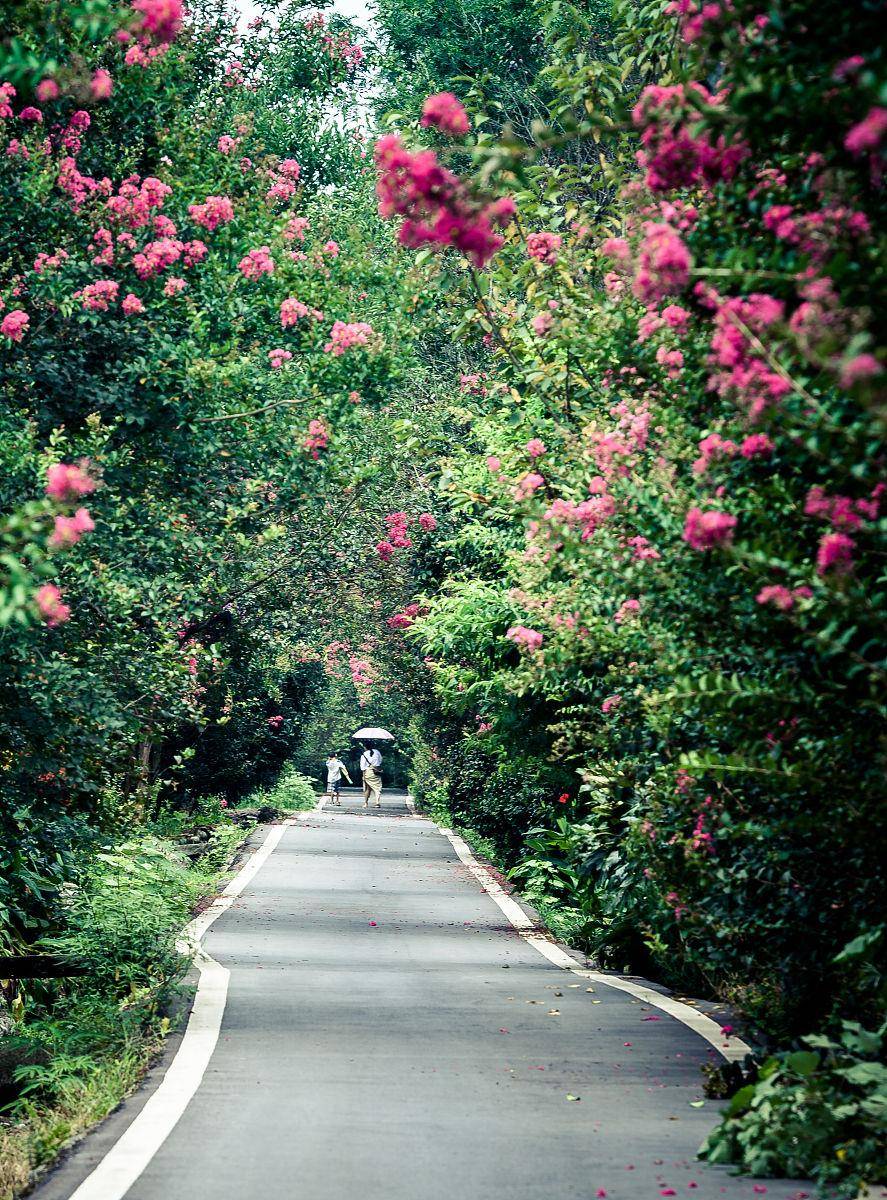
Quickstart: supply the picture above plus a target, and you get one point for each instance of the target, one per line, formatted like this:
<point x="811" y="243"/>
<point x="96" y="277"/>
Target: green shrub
<point x="816" y="1112"/>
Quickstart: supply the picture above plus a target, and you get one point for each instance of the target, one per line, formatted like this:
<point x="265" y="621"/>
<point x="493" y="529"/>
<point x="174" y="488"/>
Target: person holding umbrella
<point x="370" y="766"/>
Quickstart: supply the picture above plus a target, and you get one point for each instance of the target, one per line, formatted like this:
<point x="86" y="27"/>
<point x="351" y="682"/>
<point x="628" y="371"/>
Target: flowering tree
<point x="675" y="370"/>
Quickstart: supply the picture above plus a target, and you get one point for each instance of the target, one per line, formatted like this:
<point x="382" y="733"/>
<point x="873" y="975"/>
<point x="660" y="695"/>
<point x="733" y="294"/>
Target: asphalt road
<point x="375" y="1047"/>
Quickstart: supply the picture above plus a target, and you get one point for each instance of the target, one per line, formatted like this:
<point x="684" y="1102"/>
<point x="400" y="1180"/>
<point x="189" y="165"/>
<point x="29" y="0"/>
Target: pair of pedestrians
<point x="370" y="768"/>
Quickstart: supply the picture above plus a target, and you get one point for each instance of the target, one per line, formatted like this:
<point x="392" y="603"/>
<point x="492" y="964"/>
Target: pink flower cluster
<point x="213" y="212"/>
<point x="160" y="19"/>
<point x="136" y="199"/>
<point x="293" y="310"/>
<point x="526" y="639"/>
<point x="283" y="180"/>
<point x="676" y="153"/>
<point x="15" y="324"/>
<point x="99" y="296"/>
<point x="641" y="550"/>
<point x="436" y="206"/>
<point x="296" y="228"/>
<point x="256" y="263"/>
<point x="544" y="247"/>
<point x="672" y="317"/>
<point x="345" y="335"/>
<point x="626" y="610"/>
<point x="835" y="551"/>
<point x="707" y="530"/>
<point x="317" y="438"/>
<point x="740" y="370"/>
<point x="664" y="263"/>
<point x="67" y="531"/>
<point x="49" y="604"/>
<point x="445" y="112"/>
<point x="428" y="522"/>
<point x="782" y="597"/>
<point x="406" y="617"/>
<point x="65" y="482"/>
<point x="840" y="511"/>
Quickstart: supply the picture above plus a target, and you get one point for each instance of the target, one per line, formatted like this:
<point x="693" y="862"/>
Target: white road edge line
<point x="137" y="1145"/>
<point x="732" y="1048"/>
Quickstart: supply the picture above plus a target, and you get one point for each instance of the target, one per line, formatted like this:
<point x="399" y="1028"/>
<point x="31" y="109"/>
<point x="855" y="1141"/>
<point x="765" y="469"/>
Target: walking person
<point x="370" y="766"/>
<point x="335" y="769"/>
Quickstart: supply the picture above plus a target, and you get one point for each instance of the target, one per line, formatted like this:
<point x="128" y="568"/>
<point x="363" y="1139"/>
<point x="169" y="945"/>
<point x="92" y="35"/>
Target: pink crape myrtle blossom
<point x="617" y="250"/>
<point x="782" y="597"/>
<point x="227" y="144"/>
<point x="385" y="550"/>
<point x="296" y="229"/>
<point x="445" y="112"/>
<point x="278" y="357"/>
<point x="31" y="114"/>
<point x="868" y="134"/>
<point x="671" y="361"/>
<point x="664" y="263"/>
<point x="101" y="85"/>
<point x="675" y="154"/>
<point x="213" y="212"/>
<point x="739" y="370"/>
<point x="861" y="366"/>
<point x="174" y="285"/>
<point x="713" y="447"/>
<point x="132" y="305"/>
<point x="641" y="550"/>
<point x="535" y="448"/>
<point x="69" y="530"/>
<point x="494" y="464"/>
<point x="527" y="485"/>
<point x="160" y="19"/>
<point x="346" y="335"/>
<point x="436" y="206"/>
<point x="428" y="522"/>
<point x="15" y="324"/>
<point x="7" y="93"/>
<point x="99" y="296"/>
<point x="317" y="438"/>
<point x="835" y="553"/>
<point x="842" y="512"/>
<point x="293" y="310"/>
<point x="610" y="703"/>
<point x="397" y="523"/>
<point x="626" y="610"/>
<point x="756" y="445"/>
<point x="544" y="247"/>
<point x="526" y="639"/>
<point x="49" y="604"/>
<point x="708" y="530"/>
<point x="256" y="263"/>
<point x="46" y="90"/>
<point x="542" y="323"/>
<point x="66" y="482"/>
<point x="135" y="201"/>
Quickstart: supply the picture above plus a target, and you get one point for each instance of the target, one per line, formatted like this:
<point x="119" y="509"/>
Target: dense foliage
<point x="669" y="541"/>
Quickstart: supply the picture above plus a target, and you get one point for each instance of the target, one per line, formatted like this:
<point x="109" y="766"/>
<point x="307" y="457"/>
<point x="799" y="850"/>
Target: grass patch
<point x="291" y="792"/>
<point x="79" y="1045"/>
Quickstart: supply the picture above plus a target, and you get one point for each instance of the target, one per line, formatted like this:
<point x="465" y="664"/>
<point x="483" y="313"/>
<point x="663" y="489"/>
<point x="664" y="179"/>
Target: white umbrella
<point x="374" y="733"/>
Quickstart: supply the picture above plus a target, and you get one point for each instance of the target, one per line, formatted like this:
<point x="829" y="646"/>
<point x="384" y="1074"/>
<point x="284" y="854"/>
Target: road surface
<point x="388" y="1035"/>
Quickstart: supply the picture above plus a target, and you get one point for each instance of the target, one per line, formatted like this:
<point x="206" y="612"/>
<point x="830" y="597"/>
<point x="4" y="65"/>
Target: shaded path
<point x="424" y="1057"/>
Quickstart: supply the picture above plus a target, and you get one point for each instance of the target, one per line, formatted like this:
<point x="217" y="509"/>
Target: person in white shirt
<point x="370" y="762"/>
<point x="335" y="769"/>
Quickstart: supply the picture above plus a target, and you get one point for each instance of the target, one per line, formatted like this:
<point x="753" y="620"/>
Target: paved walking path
<point x="375" y="1047"/>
